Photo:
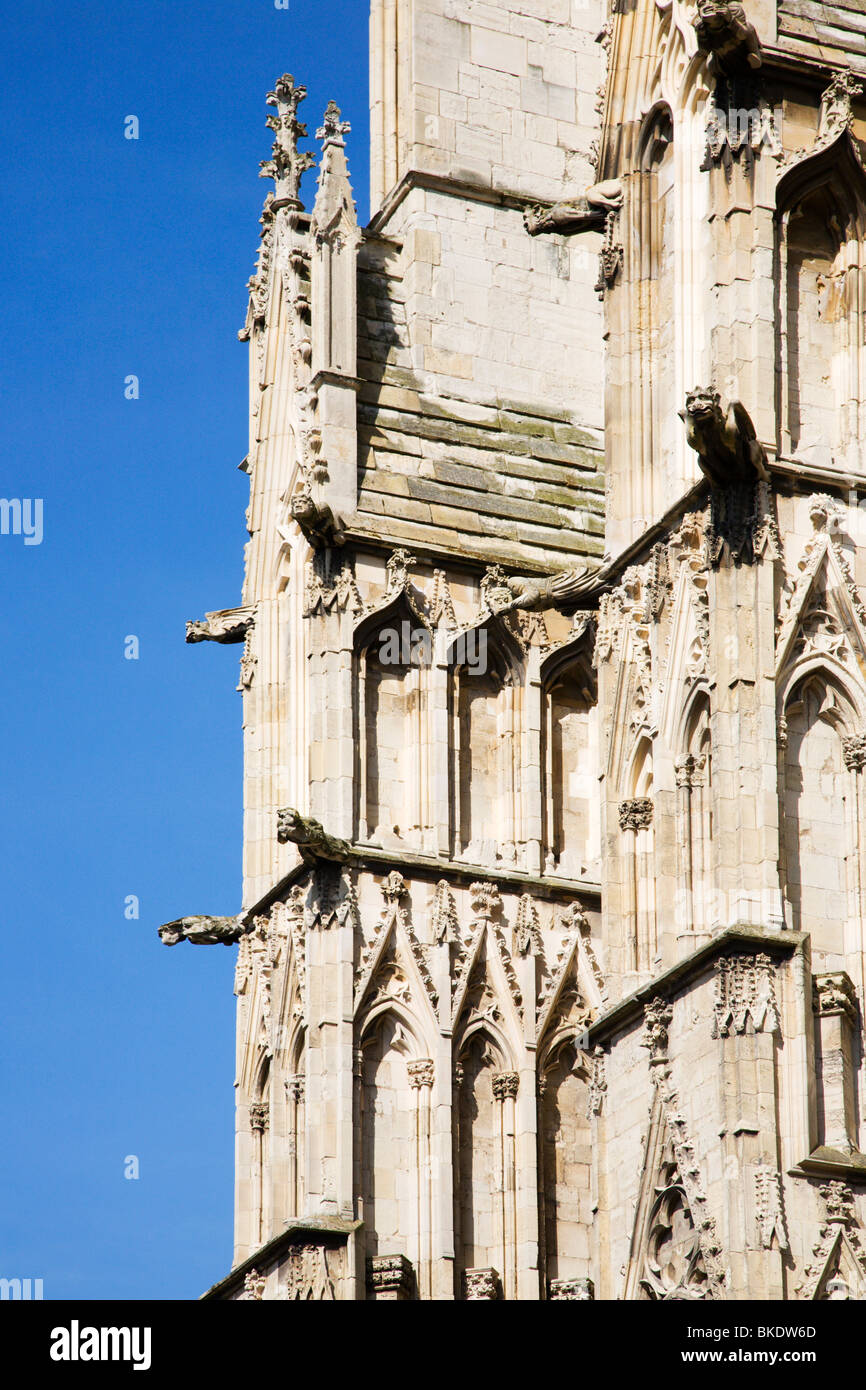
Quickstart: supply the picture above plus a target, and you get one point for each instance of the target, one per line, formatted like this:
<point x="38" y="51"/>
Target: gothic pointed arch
<point x="486" y="701"/>
<point x="821" y="270"/>
<point x="569" y="736"/>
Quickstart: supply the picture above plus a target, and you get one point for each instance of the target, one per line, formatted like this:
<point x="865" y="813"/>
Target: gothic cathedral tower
<point x="551" y="965"/>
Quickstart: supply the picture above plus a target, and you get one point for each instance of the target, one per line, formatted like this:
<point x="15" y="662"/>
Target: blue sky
<point x="124" y="777"/>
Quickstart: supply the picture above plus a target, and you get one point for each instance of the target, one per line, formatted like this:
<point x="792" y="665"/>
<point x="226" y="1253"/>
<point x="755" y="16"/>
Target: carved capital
<point x="481" y="1284"/>
<point x="259" y="1116"/>
<point x="420" y="1072"/>
<point x="581" y="1290"/>
<point x="854" y="752"/>
<point x="834" y="993"/>
<point x="506" y="1084"/>
<point x="636" y="814"/>
<point x="391" y="1278"/>
<point x="296" y="1088"/>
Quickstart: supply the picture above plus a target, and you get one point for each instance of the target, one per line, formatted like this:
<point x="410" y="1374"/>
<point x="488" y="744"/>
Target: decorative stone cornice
<point x="658" y="1014"/>
<point x="745" y="993"/>
<point x="505" y="1085"/>
<point x="636" y="814"/>
<point x="834" y="993"/>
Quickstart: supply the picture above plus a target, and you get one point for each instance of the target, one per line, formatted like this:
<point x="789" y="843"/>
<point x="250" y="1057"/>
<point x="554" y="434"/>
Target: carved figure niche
<point x="571" y="800"/>
<point x="485" y="1215"/>
<point x="656" y="313"/>
<point x="564" y="1142"/>
<point x="821" y="326"/>
<point x="486" y="722"/>
<point x="296" y="1134"/>
<point x="259" y="1122"/>
<point x="636" y="824"/>
<point x="392" y="713"/>
<point x="387" y="1159"/>
<point x="694" y="773"/>
<point x="816" y="814"/>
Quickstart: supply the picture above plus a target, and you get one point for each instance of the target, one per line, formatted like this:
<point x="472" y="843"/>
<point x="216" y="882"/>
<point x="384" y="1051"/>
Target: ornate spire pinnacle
<point x="333" y="129"/>
<point x="287" y="164"/>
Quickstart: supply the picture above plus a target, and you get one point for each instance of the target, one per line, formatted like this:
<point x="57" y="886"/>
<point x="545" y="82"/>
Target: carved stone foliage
<point x="287" y="164"/>
<point x="836" y="120"/>
<point x="481" y="1284"/>
<point x="837" y="1270"/>
<point x="769" y="1208"/>
<point x="676" y="1251"/>
<point x="745" y="995"/>
<point x="527" y="935"/>
<point x="312" y="1274"/>
<point x="330" y="585"/>
<point x="597" y="1084"/>
<point x="391" y="1278"/>
<point x="506" y="1085"/>
<point x="636" y="814"/>
<point x="259" y="1116"/>
<point x="254" y="1287"/>
<point x="658" y="1014"/>
<point x="445" y="925"/>
<point x="823" y="614"/>
<point x="674" y="1266"/>
<point x="576" y="1290"/>
<point x="834" y="993"/>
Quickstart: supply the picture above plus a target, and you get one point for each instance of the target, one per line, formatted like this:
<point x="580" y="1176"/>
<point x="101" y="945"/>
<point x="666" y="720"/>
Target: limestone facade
<point x="551" y="960"/>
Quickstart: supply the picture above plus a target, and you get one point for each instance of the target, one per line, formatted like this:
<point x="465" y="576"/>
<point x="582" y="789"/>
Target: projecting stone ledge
<point x="309" y="835"/>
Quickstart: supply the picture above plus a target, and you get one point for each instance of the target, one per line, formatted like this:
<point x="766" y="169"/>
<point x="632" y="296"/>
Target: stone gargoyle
<point x="578" y="585"/>
<point x="309" y="835"/>
<point x="318" y="523"/>
<point x="724" y="30"/>
<point x="728" y="449"/>
<point x="203" y="931"/>
<point x="584" y="213"/>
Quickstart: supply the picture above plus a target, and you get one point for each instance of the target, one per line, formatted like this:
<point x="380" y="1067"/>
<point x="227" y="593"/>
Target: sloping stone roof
<point x="502" y="479"/>
<point x="832" y="31"/>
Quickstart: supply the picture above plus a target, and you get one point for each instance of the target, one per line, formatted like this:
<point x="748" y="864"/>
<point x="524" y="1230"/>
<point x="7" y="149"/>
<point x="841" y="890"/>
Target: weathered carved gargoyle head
<point x="724" y="30"/>
<point x="202" y="931"/>
<point x="704" y="405"/>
